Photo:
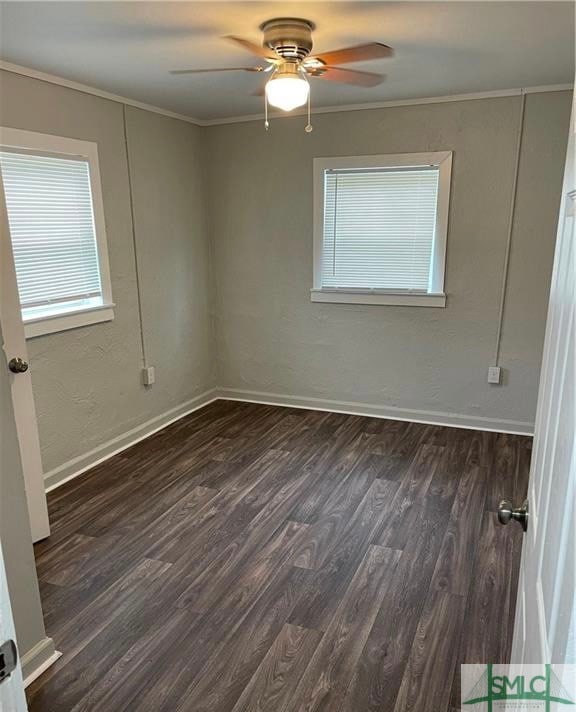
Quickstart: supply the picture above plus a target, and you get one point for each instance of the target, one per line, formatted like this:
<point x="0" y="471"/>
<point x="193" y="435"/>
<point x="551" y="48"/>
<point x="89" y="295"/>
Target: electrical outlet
<point x="148" y="375"/>
<point x="494" y="374"/>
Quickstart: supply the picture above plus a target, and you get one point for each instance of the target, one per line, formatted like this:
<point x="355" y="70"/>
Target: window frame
<point x="436" y="296"/>
<point x="60" y="146"/>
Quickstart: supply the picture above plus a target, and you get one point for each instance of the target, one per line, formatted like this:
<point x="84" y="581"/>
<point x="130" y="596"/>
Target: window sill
<point x="406" y="299"/>
<point x="73" y="320"/>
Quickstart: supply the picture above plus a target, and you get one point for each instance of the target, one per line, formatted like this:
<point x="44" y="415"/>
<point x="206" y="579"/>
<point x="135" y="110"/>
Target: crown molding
<point x="87" y="89"/>
<point x="473" y="96"/>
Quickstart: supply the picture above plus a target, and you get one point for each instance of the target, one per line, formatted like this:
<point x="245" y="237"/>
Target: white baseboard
<point x="429" y="417"/>
<point x="71" y="469"/>
<point x="39" y="659"/>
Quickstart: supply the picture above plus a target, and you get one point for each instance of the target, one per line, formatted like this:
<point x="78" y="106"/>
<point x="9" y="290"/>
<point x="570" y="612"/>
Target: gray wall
<point x="173" y="254"/>
<point x="222" y="219"/>
<point x="87" y="381"/>
<point x="271" y="339"/>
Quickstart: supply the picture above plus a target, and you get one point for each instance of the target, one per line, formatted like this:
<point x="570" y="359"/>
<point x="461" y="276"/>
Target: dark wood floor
<point x="250" y="557"/>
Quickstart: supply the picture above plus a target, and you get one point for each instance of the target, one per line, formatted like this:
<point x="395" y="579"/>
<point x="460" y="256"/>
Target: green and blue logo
<point x="514" y="687"/>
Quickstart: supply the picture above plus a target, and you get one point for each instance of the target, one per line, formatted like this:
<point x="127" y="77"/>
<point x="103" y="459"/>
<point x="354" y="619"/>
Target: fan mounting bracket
<point x="288" y="37"/>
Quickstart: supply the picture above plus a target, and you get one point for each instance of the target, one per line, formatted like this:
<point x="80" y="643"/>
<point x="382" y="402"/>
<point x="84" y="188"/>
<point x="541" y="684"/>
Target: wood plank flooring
<point x="255" y="558"/>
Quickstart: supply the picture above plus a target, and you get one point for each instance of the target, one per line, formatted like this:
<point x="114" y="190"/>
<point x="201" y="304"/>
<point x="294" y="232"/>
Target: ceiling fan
<point x="286" y="47"/>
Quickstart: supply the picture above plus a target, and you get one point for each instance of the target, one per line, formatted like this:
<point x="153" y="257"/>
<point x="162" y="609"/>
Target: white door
<point x="12" y="697"/>
<point x="546" y="612"/>
<point x="21" y="384"/>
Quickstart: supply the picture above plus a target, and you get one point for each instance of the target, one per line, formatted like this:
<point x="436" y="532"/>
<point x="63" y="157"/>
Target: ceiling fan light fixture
<point x="287" y="89"/>
<point x="286" y="51"/>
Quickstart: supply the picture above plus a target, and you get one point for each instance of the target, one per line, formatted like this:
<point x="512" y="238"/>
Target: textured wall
<point x="173" y="254"/>
<point x="271" y="338"/>
<point x="255" y="189"/>
<point x="87" y="381"/>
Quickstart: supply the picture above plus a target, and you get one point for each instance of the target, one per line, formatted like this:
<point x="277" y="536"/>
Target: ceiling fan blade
<point x="251" y="47"/>
<point x="361" y="53"/>
<point x="349" y="76"/>
<point x="220" y="69"/>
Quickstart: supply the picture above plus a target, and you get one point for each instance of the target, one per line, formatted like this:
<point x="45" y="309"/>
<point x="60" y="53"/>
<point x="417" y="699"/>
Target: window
<point x="54" y="205"/>
<point x="380" y="226"/>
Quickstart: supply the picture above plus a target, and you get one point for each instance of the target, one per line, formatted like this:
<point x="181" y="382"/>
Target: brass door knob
<point x="17" y="365"/>
<point x="507" y="513"/>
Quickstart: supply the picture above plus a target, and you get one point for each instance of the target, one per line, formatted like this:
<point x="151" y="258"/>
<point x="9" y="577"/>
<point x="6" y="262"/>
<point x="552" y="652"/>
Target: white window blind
<point x="50" y="213"/>
<point x="378" y="228"/>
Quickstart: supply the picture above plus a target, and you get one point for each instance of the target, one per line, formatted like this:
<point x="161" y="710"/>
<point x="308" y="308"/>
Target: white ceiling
<point x="442" y="48"/>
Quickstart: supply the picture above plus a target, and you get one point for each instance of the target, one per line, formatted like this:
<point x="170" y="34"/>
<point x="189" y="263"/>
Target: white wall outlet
<point x="494" y="374"/>
<point x="148" y="375"/>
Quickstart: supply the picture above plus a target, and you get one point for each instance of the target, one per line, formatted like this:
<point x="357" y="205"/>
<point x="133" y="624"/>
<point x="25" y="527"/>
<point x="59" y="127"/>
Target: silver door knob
<point x="507" y="513"/>
<point x="17" y="365"/>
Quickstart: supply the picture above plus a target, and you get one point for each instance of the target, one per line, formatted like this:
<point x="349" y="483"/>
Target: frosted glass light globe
<point x="287" y="91"/>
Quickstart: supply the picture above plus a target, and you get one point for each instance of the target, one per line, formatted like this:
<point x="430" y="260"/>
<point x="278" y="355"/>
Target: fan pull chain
<point x="308" y="128"/>
<point x="266" y="122"/>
